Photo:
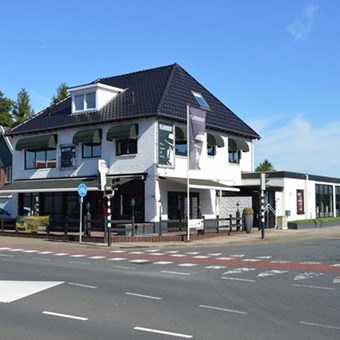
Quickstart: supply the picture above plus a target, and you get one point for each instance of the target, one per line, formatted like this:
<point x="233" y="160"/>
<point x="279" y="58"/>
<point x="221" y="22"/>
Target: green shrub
<point x="317" y="220"/>
<point x="32" y="223"/>
<point x="248" y="211"/>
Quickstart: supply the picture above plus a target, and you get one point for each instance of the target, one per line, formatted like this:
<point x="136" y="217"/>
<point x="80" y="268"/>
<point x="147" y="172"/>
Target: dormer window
<point x="92" y="97"/>
<point x="85" y="101"/>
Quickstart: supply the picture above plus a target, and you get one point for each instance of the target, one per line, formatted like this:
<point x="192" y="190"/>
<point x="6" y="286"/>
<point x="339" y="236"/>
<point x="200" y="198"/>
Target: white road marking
<point x="187" y="265"/>
<point x="215" y="267"/>
<point x="117" y="259"/>
<point x="215" y="254"/>
<point x="201" y="257"/>
<point x="318" y="325"/>
<point x="139" y="261"/>
<point x="136" y="252"/>
<point x="81" y="285"/>
<point x="239" y="270"/>
<point x="15" y="250"/>
<point x="178" y="255"/>
<point x="5" y="248"/>
<point x="310" y="262"/>
<point x="78" y="255"/>
<point x="31" y="251"/>
<point x="6" y="255"/>
<point x="61" y="254"/>
<point x="118" y="251"/>
<point x="317" y="287"/>
<point x="251" y="260"/>
<point x="307" y="275"/>
<point x="225" y="258"/>
<point x="157" y="331"/>
<point x="336" y="280"/>
<point x="336" y="265"/>
<point x="40" y="259"/>
<point x="264" y="257"/>
<point x="66" y="316"/>
<point x="45" y="252"/>
<point x="280" y="261"/>
<point x="97" y="257"/>
<point x="272" y="272"/>
<point x="224" y="309"/>
<point x="240" y="255"/>
<point x="162" y="262"/>
<point x="172" y="251"/>
<point x="14" y="290"/>
<point x="237" y="279"/>
<point x="192" y="252"/>
<point x="175" y="273"/>
<point x="144" y="296"/>
<point x="156" y="254"/>
<point x="151" y="250"/>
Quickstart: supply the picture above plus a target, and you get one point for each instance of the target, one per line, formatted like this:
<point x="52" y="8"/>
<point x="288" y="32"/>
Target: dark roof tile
<point x="163" y="91"/>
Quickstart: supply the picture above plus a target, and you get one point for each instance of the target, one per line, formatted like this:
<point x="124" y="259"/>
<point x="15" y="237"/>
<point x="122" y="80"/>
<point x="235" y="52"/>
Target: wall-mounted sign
<point x="67" y="156"/>
<point x="300" y="208"/>
<point x="166" y="144"/>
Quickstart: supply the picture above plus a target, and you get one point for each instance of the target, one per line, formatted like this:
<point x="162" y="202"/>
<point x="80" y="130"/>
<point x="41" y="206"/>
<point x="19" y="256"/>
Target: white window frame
<point x="85" y="106"/>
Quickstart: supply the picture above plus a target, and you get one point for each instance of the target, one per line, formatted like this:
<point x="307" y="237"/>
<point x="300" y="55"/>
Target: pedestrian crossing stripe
<point x="272" y="272"/>
<point x="307" y="275"/>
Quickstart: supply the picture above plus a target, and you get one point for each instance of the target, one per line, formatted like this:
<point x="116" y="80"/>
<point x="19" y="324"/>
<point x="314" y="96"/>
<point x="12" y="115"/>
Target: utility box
<point x="282" y="222"/>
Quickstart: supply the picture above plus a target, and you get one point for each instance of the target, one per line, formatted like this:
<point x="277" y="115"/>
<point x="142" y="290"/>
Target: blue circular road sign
<point x="82" y="190"/>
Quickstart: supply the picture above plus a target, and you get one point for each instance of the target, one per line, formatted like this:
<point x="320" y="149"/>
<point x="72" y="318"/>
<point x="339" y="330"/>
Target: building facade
<point x="135" y="124"/>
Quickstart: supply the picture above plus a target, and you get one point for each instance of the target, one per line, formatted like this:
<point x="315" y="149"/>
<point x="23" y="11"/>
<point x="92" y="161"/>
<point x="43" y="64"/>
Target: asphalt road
<point x="252" y="291"/>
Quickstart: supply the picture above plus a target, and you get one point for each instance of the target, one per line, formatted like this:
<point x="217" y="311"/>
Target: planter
<point x="313" y="224"/>
<point x="248" y="221"/>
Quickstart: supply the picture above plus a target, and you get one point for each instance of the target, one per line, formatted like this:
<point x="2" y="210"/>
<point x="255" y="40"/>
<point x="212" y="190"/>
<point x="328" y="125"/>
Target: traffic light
<point x="115" y="183"/>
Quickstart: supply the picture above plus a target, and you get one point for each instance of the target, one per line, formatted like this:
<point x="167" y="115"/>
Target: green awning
<point x="181" y="133"/>
<point x="122" y="132"/>
<point x="235" y="144"/>
<point x="213" y="139"/>
<point x="37" y="142"/>
<point x="88" y="136"/>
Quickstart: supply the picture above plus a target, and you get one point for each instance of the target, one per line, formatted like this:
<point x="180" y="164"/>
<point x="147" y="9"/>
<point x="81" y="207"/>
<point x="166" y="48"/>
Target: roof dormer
<point x="92" y="97"/>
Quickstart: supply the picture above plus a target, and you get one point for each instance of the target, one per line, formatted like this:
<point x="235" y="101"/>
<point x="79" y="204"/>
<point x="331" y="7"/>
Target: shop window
<point x="324" y="200"/>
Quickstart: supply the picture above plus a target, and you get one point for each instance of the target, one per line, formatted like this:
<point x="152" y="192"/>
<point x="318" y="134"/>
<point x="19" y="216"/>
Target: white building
<point x="137" y="123"/>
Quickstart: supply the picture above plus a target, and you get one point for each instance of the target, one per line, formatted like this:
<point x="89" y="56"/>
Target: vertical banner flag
<point x="166" y="144"/>
<point x="196" y="136"/>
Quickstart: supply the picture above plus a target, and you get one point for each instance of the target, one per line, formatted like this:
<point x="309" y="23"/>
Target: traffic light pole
<point x="109" y="220"/>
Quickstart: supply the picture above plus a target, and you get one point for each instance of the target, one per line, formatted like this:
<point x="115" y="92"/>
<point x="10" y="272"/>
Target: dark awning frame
<point x="87" y="136"/>
<point x="215" y="140"/>
<point x="235" y="144"/>
<point x="129" y="131"/>
<point x="37" y="142"/>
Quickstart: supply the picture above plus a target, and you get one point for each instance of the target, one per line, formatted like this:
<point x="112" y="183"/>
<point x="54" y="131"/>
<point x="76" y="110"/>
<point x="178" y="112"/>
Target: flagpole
<point x="188" y="166"/>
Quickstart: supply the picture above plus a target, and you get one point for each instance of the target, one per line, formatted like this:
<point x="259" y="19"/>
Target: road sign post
<point x="82" y="191"/>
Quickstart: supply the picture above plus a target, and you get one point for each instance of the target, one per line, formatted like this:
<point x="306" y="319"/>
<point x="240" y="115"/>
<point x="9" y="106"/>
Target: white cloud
<point x="303" y="24"/>
<point x="300" y="147"/>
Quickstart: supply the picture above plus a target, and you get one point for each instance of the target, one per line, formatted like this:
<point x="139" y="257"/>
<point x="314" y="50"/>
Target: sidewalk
<point x="271" y="236"/>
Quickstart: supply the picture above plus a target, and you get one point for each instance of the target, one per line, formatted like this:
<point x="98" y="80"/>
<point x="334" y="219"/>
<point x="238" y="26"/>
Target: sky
<point x="274" y="63"/>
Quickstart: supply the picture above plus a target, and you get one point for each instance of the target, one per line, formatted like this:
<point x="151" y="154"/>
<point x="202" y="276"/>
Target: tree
<point x="22" y="108"/>
<point x="61" y="94"/>
<point x="6" y="107"/>
<point x="265" y="166"/>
